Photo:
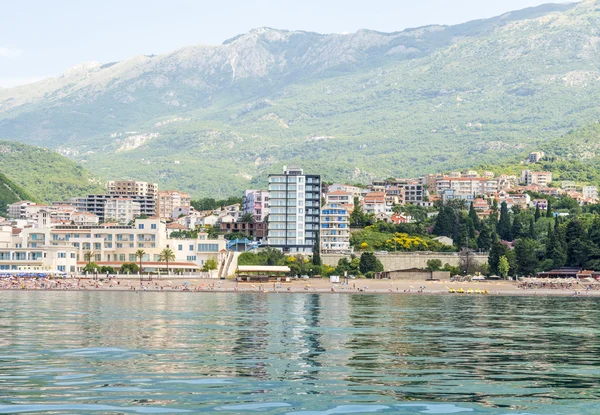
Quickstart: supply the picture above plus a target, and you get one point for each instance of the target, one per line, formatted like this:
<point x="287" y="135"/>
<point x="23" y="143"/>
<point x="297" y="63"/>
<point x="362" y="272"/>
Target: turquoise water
<point x="169" y="353"/>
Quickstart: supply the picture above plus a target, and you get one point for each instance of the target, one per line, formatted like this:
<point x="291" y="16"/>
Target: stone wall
<point x="410" y="260"/>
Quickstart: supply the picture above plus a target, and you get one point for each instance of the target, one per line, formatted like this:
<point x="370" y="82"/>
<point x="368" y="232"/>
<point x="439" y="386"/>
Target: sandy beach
<point x="354" y="286"/>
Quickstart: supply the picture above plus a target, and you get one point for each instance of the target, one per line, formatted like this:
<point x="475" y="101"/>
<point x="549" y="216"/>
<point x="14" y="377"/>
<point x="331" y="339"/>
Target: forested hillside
<point x="10" y="193"/>
<point x="217" y="119"/>
<point x="46" y="175"/>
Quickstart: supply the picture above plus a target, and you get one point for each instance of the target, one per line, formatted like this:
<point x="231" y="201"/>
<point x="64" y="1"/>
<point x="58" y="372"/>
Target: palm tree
<point x="167" y="255"/>
<point x="88" y="256"/>
<point x="139" y="254"/>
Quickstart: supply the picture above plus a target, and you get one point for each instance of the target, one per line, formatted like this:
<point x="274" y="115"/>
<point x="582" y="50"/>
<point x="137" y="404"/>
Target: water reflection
<point x="281" y="353"/>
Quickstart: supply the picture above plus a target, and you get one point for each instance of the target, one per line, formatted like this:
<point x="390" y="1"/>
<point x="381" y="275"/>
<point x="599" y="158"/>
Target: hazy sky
<point x="41" y="38"/>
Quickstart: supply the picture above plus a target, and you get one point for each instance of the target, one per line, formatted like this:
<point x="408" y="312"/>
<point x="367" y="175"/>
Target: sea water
<point x="297" y="354"/>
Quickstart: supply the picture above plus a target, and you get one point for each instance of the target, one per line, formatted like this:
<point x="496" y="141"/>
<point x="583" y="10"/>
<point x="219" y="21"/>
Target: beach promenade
<point x="354" y="286"/>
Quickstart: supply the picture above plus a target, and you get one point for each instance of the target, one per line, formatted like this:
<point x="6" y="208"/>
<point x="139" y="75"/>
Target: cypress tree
<point x="444" y="223"/>
<point x="316" y="258"/>
<point x="517" y="227"/>
<point x="484" y="240"/>
<point x="497" y="251"/>
<point x="537" y="213"/>
<point x="474" y="218"/>
<point x="532" y="233"/>
<point x="549" y="209"/>
<point x="594" y="231"/>
<point x="504" y="225"/>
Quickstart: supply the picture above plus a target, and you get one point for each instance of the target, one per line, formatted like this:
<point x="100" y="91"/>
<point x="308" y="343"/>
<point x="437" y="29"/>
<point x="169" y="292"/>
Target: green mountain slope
<point x="572" y="157"/>
<point x="10" y="193"/>
<point x="46" y="175"/>
<point x="214" y="120"/>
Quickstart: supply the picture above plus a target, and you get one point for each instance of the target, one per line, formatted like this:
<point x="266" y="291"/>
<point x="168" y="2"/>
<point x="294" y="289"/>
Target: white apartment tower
<point x="294" y="210"/>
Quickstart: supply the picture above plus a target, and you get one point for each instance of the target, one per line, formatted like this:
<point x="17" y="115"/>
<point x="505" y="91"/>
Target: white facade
<point x="346" y="188"/>
<point x="169" y="200"/>
<point x="85" y="218"/>
<point x="115" y="245"/>
<point x="294" y="205"/>
<point x="256" y="202"/>
<point x="121" y="210"/>
<point x="335" y="229"/>
<point x="32" y="251"/>
<point x="590" y="192"/>
<point x="132" y="188"/>
<point x="18" y="210"/>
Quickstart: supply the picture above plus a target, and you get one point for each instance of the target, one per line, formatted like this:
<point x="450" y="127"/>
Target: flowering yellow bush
<point x="364" y="245"/>
<point x="404" y="242"/>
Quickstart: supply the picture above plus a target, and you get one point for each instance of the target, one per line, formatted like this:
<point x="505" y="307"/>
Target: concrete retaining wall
<point x="409" y="260"/>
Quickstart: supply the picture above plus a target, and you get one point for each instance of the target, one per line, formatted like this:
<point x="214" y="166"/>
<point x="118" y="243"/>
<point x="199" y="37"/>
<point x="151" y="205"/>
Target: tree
<point x="106" y="270"/>
<point x="504" y="225"/>
<point x="316" y="258"/>
<point x="129" y="267"/>
<point x="434" y="265"/>
<point x="497" y="251"/>
<point x="484" y="240"/>
<point x="503" y="266"/>
<point x="357" y="217"/>
<point x="576" y="241"/>
<point x="167" y="255"/>
<point x="247" y="218"/>
<point x="369" y="263"/>
<point x="444" y="223"/>
<point x="537" y="214"/>
<point x="90" y="267"/>
<point x="517" y="227"/>
<point x="532" y="232"/>
<point x="549" y="213"/>
<point x="209" y="265"/>
<point x="88" y="256"/>
<point x="554" y="249"/>
<point x="526" y="256"/>
<point x="139" y="254"/>
<point x="466" y="261"/>
<point x="474" y="217"/>
<point x="594" y="231"/>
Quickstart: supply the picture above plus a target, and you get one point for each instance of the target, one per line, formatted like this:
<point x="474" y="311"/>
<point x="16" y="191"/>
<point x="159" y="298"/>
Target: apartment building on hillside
<point x="256" y="202"/>
<point x="121" y="210"/>
<point x="128" y="188"/>
<point x="295" y="208"/>
<point x="169" y="200"/>
<point x="95" y="204"/>
<point x="529" y="177"/>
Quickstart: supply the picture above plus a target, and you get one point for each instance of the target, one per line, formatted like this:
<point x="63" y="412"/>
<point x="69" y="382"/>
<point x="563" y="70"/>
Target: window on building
<point x="208" y="247"/>
<point x="122" y="257"/>
<point x="180" y="247"/>
<point x="153" y="226"/>
<point x="141" y="226"/>
<point x="62" y="254"/>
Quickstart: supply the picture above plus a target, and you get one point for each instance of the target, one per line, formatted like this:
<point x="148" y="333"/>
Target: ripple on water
<point x="253" y="406"/>
<point x="437" y="408"/>
<point x="345" y="409"/>
<point x="301" y="355"/>
<point x="19" y="409"/>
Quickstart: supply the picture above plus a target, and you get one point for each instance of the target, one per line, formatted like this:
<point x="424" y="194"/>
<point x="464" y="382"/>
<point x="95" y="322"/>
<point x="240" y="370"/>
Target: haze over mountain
<point x="216" y="119"/>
